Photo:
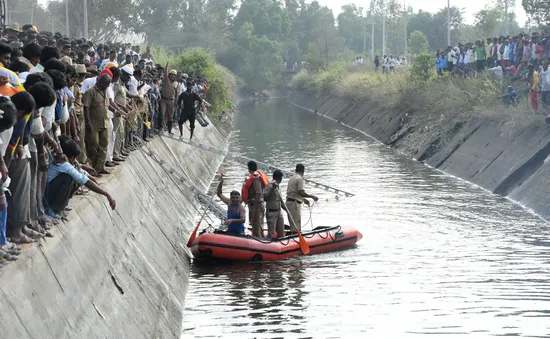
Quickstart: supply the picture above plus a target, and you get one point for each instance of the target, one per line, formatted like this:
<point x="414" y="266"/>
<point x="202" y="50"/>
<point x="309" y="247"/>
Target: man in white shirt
<point x="497" y="71"/>
<point x="7" y="120"/>
<point x="112" y="58"/>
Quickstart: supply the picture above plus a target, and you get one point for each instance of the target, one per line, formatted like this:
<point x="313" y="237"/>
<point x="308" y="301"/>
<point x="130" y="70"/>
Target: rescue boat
<point x="220" y="245"/>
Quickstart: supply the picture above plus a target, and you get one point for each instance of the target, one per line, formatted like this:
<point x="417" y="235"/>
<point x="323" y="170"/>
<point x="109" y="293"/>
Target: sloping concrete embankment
<point x="500" y="157"/>
<point x="114" y="274"/>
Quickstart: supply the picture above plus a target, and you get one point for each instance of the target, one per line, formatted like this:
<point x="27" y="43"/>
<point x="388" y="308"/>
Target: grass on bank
<point x="428" y="96"/>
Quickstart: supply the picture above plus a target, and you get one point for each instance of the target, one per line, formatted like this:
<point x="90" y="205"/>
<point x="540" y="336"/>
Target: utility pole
<point x="85" y="19"/>
<point x="448" y="22"/>
<point x="32" y="14"/>
<point x="365" y="35"/>
<point x="326" y="52"/>
<point x="406" y="35"/>
<point x="52" y="22"/>
<point x="372" y="39"/>
<point x="67" y="17"/>
<point x="506" y="17"/>
<point x="383" y="28"/>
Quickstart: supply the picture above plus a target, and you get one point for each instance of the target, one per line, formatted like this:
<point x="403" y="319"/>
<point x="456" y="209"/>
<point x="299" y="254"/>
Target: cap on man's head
<point x="92" y="70"/>
<point x="67" y="59"/>
<point x="14" y="27"/>
<point x="106" y="71"/>
<point x="81" y="69"/>
<point x="174" y="72"/>
<point x="109" y="65"/>
<point x="126" y="69"/>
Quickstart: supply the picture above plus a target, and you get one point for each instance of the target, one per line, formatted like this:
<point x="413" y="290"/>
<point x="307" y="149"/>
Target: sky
<point x="470" y="7"/>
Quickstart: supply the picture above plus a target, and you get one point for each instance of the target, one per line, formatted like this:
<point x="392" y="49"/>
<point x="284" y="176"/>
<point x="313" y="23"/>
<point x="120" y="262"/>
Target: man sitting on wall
<point x="65" y="177"/>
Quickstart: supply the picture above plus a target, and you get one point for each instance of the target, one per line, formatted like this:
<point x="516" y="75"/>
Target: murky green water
<point x="439" y="256"/>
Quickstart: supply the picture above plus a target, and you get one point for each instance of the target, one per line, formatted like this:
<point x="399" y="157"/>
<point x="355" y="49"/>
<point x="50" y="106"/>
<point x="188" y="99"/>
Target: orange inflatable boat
<point x="220" y="245"/>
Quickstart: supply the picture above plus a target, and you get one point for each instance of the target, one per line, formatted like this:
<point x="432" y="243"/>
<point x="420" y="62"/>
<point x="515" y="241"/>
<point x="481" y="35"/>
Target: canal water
<point x="439" y="256"/>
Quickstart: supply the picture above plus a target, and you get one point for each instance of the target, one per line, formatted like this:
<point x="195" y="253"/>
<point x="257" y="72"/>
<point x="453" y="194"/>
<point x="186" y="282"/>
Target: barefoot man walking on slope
<point x="295" y="195"/>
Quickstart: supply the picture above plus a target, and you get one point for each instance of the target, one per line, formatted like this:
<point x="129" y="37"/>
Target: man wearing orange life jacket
<point x="295" y="194"/>
<point x="252" y="193"/>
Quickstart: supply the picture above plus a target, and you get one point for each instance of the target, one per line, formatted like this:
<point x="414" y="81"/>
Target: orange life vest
<point x="248" y="183"/>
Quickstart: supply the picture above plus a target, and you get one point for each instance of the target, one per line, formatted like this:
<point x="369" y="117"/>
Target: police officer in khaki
<point x="95" y="103"/>
<point x="274" y="216"/>
<point x="295" y="196"/>
<point x="253" y="194"/>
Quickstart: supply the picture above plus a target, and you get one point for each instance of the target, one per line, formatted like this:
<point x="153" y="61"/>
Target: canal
<point x="439" y="256"/>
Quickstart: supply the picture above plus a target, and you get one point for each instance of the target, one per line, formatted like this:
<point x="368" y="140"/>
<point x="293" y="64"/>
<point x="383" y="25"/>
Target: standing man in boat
<point x="273" y="215"/>
<point x="295" y="196"/>
<point x="236" y="213"/>
<point x="252" y="193"/>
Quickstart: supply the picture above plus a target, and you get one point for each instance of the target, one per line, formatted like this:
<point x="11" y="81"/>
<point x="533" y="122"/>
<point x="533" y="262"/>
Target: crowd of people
<point x="522" y="57"/>
<point x="389" y="64"/>
<point x="70" y="111"/>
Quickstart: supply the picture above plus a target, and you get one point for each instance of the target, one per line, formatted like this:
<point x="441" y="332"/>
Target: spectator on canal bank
<point x="44" y="78"/>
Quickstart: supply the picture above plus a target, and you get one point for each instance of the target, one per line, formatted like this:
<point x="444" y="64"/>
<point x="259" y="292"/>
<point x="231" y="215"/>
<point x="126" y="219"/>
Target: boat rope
<point x="204" y="200"/>
<point x="265" y="167"/>
<point x="310" y="209"/>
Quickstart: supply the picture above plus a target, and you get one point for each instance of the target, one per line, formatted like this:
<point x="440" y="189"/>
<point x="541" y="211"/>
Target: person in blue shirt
<point x="438" y="64"/>
<point x="236" y="213"/>
<point x="441" y="63"/>
<point x="512" y="51"/>
<point x="64" y="178"/>
<point x="98" y="62"/>
<point x="510" y="98"/>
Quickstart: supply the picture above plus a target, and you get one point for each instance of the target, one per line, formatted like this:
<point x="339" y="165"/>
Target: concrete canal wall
<point x="506" y="157"/>
<point x="114" y="274"/>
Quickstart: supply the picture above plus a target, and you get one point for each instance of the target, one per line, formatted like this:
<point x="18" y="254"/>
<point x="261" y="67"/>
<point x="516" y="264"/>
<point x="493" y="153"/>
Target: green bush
<point x="422" y="67"/>
<point x="197" y="61"/>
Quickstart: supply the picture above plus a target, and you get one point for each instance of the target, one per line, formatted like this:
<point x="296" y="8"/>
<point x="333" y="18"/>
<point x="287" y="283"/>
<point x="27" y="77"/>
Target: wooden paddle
<point x="194" y="234"/>
<point x="304" y="247"/>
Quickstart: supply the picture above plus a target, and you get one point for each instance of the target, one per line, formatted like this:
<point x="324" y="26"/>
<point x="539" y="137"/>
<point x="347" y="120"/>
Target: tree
<point x="327" y="47"/>
<point x="424" y="22"/>
<point x="257" y="60"/>
<point x="105" y="18"/>
<point x="351" y="26"/>
<point x="30" y="12"/>
<point x="268" y="18"/>
<point x="418" y="43"/>
<point x="395" y="29"/>
<point x="313" y="21"/>
<point x="488" y="21"/>
<point x="537" y="10"/>
<point x="440" y="26"/>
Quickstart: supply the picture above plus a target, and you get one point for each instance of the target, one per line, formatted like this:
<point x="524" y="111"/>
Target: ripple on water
<point x="439" y="256"/>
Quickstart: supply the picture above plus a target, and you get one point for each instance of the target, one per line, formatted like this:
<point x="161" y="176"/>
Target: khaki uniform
<point x="256" y="211"/>
<point x="273" y="213"/>
<point x="118" y="122"/>
<point x="167" y="101"/>
<point x="77" y="105"/>
<point x="97" y="103"/>
<point x="294" y="200"/>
